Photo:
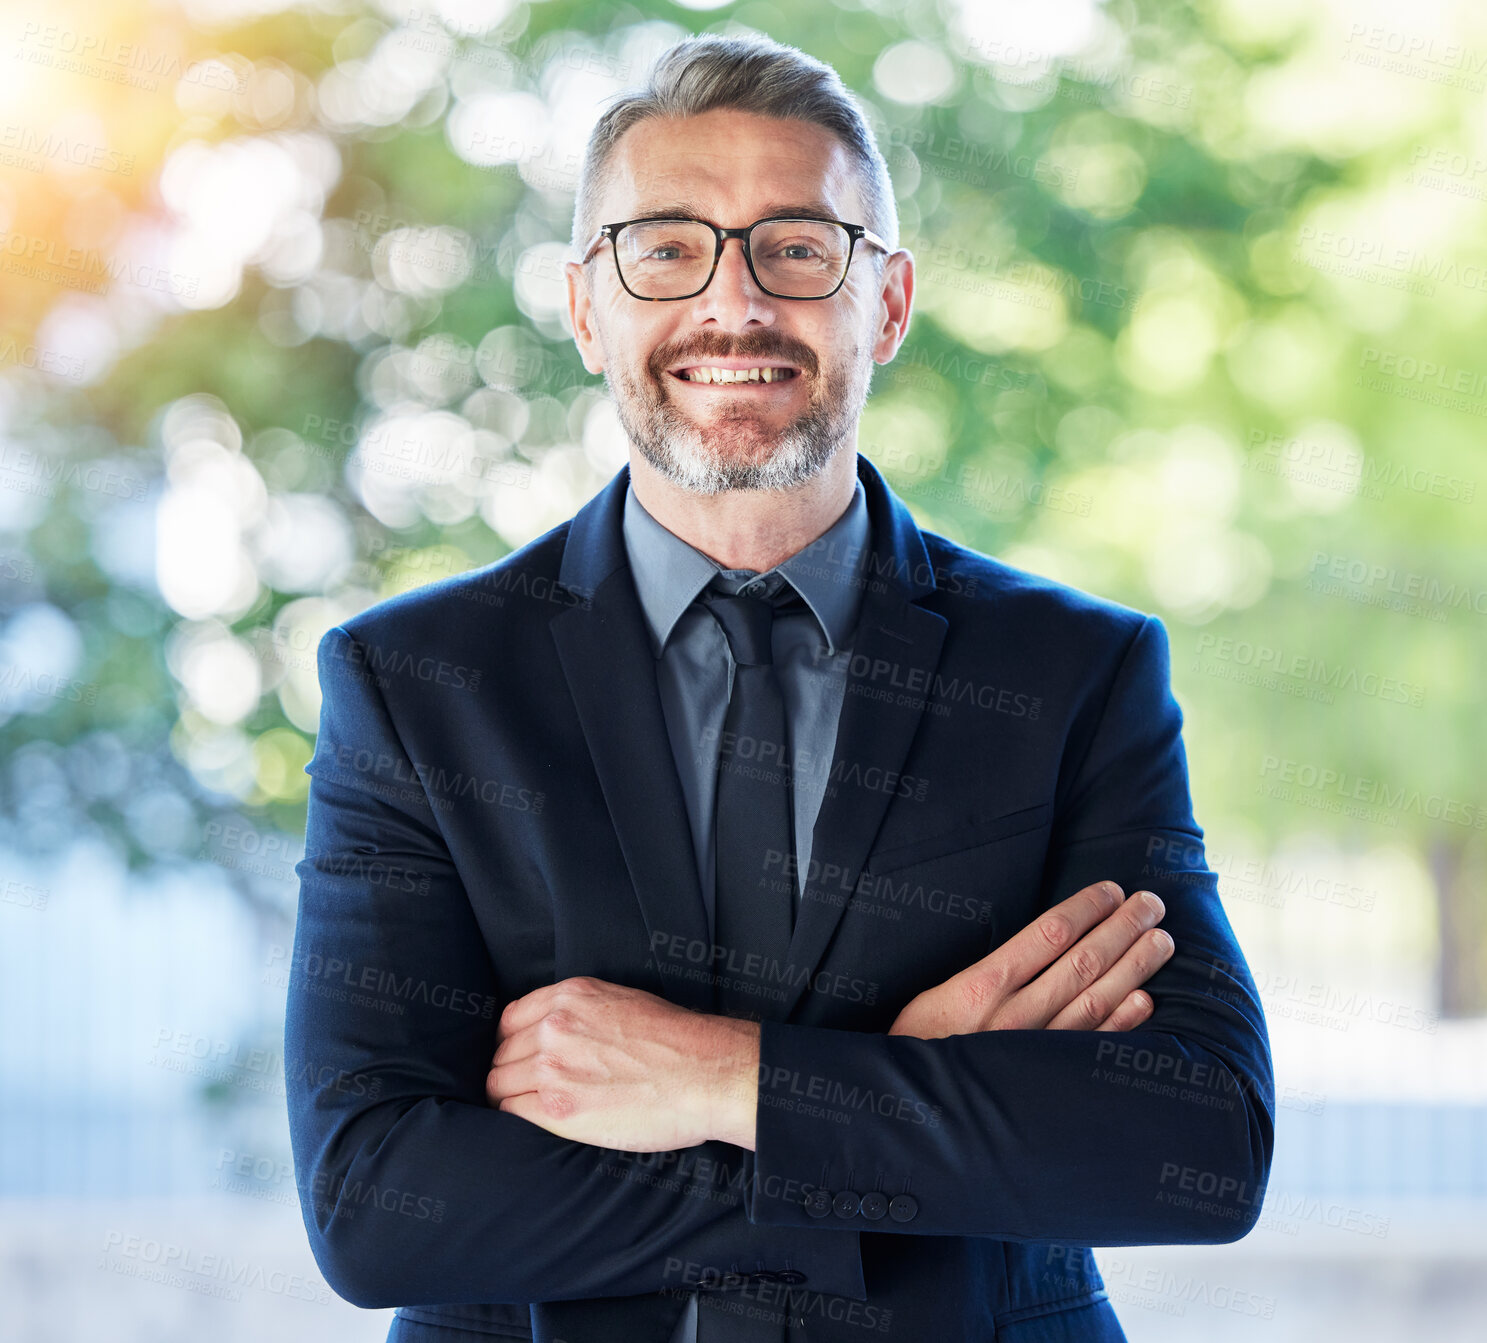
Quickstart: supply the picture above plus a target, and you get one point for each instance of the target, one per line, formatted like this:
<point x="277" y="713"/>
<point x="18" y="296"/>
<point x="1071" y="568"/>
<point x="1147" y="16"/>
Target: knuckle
<point x="1088" y="1012"/>
<point x="1085" y="963"/>
<point x="1056" y="930"/>
<point x="991" y="979"/>
<point x="980" y="991"/>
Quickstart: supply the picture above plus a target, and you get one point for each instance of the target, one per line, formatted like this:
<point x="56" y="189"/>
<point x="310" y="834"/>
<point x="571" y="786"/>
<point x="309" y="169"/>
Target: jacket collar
<point x="595" y="547"/>
<point x="669" y="572"/>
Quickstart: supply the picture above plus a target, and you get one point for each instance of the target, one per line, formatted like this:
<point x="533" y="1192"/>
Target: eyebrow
<point x="788" y="209"/>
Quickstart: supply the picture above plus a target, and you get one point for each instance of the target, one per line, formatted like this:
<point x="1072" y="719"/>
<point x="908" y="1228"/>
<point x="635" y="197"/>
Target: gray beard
<point x="683" y="454"/>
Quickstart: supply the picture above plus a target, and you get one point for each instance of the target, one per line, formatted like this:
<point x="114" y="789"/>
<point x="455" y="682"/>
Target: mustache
<point x="765" y="347"/>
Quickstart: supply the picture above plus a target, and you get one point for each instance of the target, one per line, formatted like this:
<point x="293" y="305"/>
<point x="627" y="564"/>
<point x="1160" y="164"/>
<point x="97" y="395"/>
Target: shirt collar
<point x="669" y="573"/>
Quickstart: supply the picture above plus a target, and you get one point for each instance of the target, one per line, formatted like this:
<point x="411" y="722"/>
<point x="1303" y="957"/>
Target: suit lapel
<point x="894" y="656"/>
<point x="896" y="643"/>
<point x="611" y="673"/>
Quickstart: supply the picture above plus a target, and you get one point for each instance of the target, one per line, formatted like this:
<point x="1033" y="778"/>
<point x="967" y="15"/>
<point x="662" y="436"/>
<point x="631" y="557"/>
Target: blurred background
<point x="1200" y="325"/>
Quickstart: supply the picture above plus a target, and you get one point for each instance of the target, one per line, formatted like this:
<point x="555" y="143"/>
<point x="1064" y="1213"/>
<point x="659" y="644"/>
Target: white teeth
<point x="756" y="374"/>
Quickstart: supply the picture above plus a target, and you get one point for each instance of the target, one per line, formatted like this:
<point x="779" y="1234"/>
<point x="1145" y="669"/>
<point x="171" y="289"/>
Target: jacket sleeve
<point x="1158" y="1135"/>
<point x="413" y="1189"/>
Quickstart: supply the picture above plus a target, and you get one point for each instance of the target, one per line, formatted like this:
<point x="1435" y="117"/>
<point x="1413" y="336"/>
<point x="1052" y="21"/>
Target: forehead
<point x="731" y="167"/>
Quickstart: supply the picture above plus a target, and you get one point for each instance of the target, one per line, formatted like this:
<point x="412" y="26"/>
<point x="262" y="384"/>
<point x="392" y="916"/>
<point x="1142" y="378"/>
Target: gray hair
<point x="751" y="73"/>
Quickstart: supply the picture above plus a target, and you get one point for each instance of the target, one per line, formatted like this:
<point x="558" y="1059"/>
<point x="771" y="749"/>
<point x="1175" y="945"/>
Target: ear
<point x="585" y="336"/>
<point x="894" y="304"/>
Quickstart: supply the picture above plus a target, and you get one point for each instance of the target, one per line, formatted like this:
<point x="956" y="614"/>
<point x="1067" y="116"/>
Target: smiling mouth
<point x="712" y="376"/>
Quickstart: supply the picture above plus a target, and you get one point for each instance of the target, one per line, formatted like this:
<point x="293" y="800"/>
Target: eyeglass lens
<point x="671" y="258"/>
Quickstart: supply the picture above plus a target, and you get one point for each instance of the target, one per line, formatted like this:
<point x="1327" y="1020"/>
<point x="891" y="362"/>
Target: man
<point x="713" y="918"/>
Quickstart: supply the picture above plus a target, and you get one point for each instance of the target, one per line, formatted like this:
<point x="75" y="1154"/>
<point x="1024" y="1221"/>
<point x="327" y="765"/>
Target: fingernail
<point x="1113" y="891"/>
<point x="1164" y="936"/>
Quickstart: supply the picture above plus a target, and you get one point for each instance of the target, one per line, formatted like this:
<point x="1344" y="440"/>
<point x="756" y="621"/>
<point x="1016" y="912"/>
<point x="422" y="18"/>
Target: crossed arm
<point x="1050" y="1128"/>
<point x="621" y="1068"/>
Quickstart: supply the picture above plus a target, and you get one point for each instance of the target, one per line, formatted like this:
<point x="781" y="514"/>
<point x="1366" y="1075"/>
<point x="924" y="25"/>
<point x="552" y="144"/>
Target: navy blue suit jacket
<point x="493" y="807"/>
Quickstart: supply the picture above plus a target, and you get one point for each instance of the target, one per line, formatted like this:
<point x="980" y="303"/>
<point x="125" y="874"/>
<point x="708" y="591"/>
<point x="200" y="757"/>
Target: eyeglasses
<point x="666" y="259"/>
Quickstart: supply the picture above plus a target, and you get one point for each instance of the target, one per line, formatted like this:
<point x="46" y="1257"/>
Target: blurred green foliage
<point x="1198" y="326"/>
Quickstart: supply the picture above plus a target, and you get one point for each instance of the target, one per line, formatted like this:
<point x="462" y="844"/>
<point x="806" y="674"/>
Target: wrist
<point x="732" y="1051"/>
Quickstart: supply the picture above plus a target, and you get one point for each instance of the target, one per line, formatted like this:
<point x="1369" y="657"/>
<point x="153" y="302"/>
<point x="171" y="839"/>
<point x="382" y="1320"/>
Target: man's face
<point x="732" y="168"/>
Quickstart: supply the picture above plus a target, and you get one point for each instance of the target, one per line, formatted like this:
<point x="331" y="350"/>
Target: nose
<point x="731" y="297"/>
<point x="733" y="266"/>
<point x="733" y="259"/>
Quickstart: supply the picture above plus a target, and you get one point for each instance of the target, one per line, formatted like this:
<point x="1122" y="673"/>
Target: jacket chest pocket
<point x="924" y="910"/>
<point x="973" y="833"/>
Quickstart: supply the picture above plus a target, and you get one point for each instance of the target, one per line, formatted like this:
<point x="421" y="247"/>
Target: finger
<point x="1087" y="1009"/>
<point x="530" y="1007"/>
<point x="560" y="1021"/>
<point x="1135" y="1009"/>
<point x="1083" y="964"/>
<point x="518" y="1078"/>
<point x="518" y="1045"/>
<point x="1049" y="936"/>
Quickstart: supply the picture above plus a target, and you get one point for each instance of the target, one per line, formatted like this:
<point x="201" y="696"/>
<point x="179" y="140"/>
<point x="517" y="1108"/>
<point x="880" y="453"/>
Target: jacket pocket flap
<point x="972" y="834"/>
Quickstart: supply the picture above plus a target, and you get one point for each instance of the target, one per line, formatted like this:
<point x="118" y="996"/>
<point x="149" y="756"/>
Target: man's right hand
<point x="1076" y="967"/>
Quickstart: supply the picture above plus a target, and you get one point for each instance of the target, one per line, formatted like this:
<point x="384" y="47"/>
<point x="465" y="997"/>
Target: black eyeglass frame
<point x="612" y="231"/>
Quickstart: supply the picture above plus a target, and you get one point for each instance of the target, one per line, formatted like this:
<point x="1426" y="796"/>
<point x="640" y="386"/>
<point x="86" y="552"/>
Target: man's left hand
<point x="621" y="1068"/>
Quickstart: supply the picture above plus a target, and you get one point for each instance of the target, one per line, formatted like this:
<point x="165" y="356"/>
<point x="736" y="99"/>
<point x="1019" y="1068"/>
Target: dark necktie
<point x="754" y="889"/>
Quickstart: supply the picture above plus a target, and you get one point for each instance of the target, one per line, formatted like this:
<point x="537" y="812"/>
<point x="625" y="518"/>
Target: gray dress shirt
<point x="695" y="673"/>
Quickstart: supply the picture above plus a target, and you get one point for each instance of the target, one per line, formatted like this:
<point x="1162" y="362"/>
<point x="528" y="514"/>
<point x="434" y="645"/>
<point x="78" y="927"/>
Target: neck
<point x="749" y="529"/>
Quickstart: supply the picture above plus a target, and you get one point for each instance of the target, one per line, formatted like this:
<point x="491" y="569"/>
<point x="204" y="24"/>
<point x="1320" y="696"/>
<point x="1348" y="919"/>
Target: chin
<point x="776" y="466"/>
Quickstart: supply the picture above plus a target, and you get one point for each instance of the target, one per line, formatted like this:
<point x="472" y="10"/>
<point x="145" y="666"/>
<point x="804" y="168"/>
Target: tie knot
<point x="748" y="622"/>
